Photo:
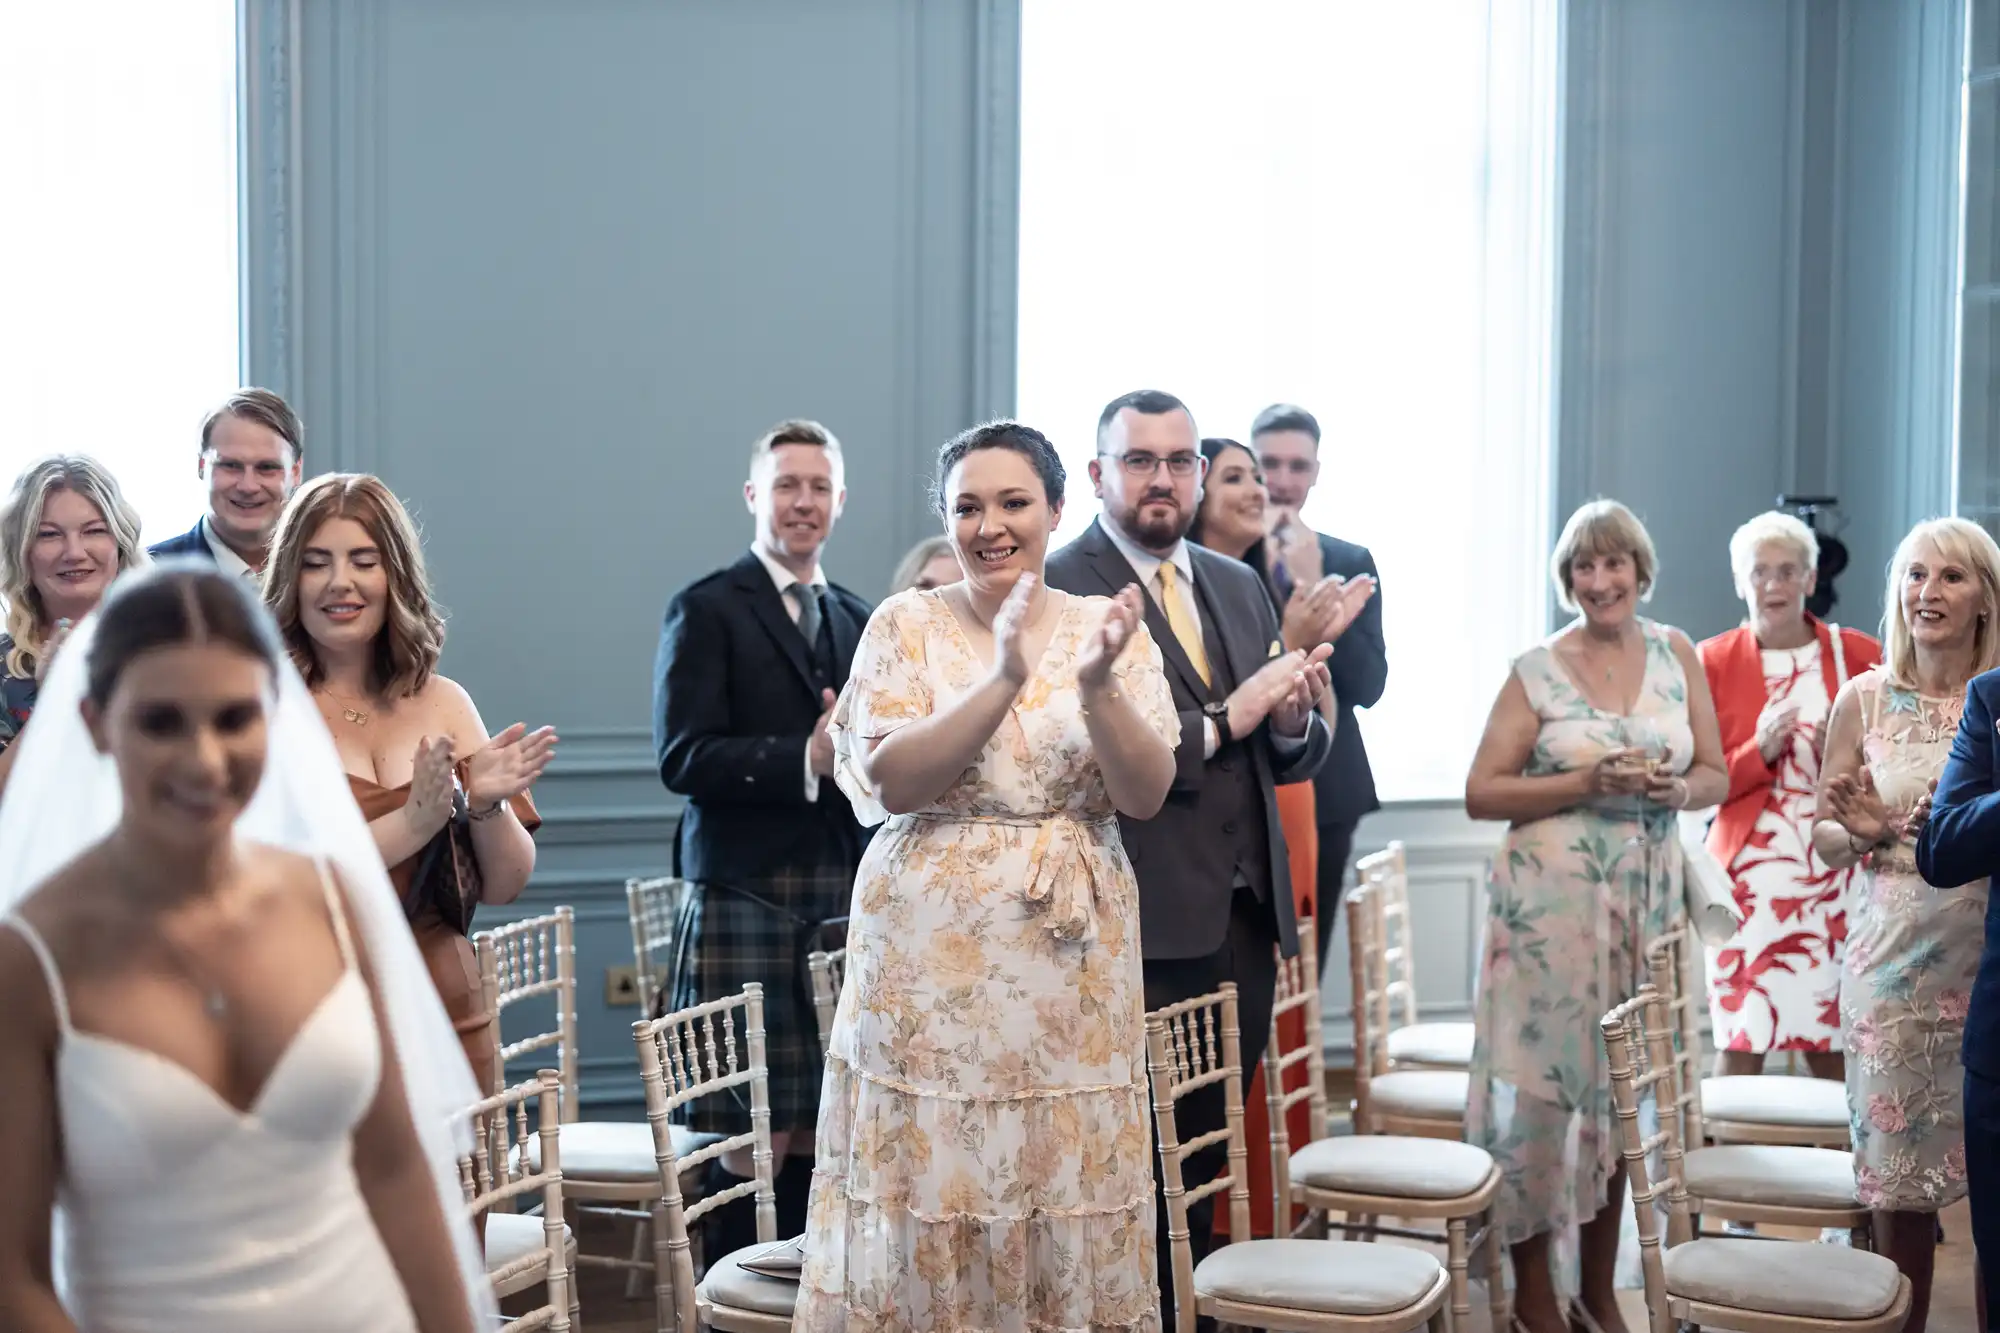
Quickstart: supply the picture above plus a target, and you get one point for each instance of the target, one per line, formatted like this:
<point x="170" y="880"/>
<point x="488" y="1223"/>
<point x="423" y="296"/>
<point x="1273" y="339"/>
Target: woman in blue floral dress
<point x="1601" y="735"/>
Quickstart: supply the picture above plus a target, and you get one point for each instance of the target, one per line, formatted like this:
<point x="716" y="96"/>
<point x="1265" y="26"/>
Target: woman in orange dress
<point x="1231" y="522"/>
<point x="448" y="805"/>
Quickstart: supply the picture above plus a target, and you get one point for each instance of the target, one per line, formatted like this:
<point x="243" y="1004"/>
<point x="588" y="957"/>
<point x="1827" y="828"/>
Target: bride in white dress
<point x="229" y="1086"/>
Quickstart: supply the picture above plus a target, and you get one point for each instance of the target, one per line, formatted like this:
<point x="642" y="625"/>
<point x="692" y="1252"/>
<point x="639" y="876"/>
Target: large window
<point x="1346" y="206"/>
<point x="118" y="240"/>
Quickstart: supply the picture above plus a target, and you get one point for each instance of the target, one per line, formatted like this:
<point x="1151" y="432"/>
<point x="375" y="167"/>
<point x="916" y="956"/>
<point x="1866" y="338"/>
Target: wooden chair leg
<point x="633" y="1274"/>
<point x="665" y="1312"/>
<point x="1496" y="1279"/>
<point x="1461" y="1287"/>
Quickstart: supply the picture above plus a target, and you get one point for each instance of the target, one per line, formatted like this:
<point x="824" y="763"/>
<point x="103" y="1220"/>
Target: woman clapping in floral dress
<point x="1912" y="950"/>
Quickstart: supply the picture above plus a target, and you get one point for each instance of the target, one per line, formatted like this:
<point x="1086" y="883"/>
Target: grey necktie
<point x="809" y="614"/>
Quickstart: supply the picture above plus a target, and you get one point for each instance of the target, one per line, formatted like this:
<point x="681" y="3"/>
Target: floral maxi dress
<point x="1573" y="901"/>
<point x="1906" y="980"/>
<point x="984" y="1149"/>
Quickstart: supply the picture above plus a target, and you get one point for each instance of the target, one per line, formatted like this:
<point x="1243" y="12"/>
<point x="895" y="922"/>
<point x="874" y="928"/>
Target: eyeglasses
<point x="1145" y="465"/>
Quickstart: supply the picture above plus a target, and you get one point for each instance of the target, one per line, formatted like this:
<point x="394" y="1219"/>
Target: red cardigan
<point x="1735" y="668"/>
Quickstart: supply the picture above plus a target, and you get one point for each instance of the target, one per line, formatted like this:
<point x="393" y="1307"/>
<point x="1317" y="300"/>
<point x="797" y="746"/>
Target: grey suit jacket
<point x="1184" y="910"/>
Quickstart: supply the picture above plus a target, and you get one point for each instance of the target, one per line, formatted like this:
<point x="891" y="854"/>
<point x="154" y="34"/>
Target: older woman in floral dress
<point x="1774" y="986"/>
<point x="1601" y="734"/>
<point x="1912" y="950"/>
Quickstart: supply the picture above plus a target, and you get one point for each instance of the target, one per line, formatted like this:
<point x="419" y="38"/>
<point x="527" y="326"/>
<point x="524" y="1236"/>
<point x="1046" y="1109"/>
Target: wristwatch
<point x="1216" y="711"/>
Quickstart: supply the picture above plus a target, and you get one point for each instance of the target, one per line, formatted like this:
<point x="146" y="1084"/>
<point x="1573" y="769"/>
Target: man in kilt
<point x="751" y="659"/>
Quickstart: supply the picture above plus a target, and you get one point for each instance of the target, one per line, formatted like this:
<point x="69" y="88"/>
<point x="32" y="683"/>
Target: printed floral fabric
<point x="17" y="696"/>
<point x="1776" y="985"/>
<point x="985" y="1142"/>
<point x="1906" y="981"/>
<point x="1573" y="900"/>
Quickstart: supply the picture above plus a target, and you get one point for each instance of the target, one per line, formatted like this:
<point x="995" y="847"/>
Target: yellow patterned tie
<point x="1184" y="626"/>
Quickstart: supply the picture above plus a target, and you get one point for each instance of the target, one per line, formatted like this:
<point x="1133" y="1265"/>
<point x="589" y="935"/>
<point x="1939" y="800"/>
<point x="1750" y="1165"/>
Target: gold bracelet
<point x="1109" y="694"/>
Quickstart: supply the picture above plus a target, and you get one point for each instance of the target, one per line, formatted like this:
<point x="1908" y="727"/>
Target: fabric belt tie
<point x="1061" y="884"/>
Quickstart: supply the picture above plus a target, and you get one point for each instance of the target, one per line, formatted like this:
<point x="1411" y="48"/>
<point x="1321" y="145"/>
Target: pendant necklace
<point x="357" y="716"/>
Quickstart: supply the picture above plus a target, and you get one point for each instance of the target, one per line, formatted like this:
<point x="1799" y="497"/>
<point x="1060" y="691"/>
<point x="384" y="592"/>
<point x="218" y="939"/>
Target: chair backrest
<point x="701" y="1051"/>
<point x="1670" y="963"/>
<point x="1370" y="996"/>
<point x="829" y="970"/>
<point x="1191" y="1045"/>
<point x="1639" y="1045"/>
<point x="1297" y="992"/>
<point x="524" y="960"/>
<point x="655" y="908"/>
<point x="497" y="1173"/>
<point x="1389" y="871"/>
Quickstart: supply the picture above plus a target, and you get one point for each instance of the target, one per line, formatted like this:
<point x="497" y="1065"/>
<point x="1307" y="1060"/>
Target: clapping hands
<point x="508" y="765"/>
<point x="1010" y="631"/>
<point x="1103" y="648"/>
<point x="429" y="803"/>
<point x="1857" y="807"/>
<point x="1320" y="613"/>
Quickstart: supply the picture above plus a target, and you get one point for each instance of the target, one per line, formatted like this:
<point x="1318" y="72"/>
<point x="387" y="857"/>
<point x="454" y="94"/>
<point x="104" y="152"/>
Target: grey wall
<point x="1758" y="264"/>
<point x="549" y="269"/>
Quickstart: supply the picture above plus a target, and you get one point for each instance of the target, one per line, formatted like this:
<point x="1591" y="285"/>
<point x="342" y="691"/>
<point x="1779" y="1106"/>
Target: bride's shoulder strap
<point x="47" y="961"/>
<point x="336" y="907"/>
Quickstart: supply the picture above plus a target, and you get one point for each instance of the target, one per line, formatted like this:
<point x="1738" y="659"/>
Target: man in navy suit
<point x="252" y="457"/>
<point x="751" y="659"/>
<point x="1960" y="842"/>
<point x="1285" y="439"/>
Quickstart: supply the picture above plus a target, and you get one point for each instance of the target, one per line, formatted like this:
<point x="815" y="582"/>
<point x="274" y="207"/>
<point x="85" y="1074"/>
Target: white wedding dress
<point x="182" y="1214"/>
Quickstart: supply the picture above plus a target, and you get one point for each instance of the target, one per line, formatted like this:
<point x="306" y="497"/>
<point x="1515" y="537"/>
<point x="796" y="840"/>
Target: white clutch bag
<point x="1711" y="902"/>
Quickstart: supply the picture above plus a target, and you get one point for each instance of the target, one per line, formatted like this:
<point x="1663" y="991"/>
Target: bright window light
<point x="1342" y="205"/>
<point x="118" y="242"/>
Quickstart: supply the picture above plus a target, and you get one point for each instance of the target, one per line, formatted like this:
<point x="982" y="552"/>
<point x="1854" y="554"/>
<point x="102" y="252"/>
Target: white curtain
<point x="1345" y="205"/>
<point x="118" y="239"/>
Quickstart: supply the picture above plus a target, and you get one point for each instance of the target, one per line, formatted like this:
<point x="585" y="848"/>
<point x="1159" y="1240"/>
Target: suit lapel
<point x="846" y="629"/>
<point x="1234" y="646"/>
<point x="1115" y="571"/>
<point x="754" y="581"/>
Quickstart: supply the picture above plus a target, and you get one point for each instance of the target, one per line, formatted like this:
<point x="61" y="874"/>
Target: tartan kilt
<point x="725" y="940"/>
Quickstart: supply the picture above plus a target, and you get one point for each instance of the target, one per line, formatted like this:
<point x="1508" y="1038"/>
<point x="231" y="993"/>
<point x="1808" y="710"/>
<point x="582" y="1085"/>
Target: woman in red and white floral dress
<point x="1776" y="985"/>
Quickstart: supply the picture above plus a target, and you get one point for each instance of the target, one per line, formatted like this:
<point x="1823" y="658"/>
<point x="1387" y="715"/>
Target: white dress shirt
<point x="225" y="555"/>
<point x="787" y="584"/>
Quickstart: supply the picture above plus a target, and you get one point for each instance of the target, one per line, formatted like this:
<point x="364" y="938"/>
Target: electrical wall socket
<point x="621" y="987"/>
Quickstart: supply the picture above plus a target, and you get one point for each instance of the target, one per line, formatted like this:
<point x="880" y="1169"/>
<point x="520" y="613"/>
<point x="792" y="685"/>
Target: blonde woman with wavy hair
<point x="66" y="532"/>
<point x="448" y="805"/>
<point x="1913" y="933"/>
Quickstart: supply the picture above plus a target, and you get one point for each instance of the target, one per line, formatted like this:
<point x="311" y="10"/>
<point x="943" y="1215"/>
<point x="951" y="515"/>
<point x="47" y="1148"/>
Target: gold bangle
<point x="1084" y="709"/>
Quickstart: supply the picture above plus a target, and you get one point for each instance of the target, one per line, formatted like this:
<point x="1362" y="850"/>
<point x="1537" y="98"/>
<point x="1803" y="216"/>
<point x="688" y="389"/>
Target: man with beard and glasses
<point x="1215" y="890"/>
<point x="750" y="661"/>
<point x="252" y="457"/>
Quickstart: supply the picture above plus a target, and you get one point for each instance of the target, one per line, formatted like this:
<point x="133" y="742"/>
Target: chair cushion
<point x="728" y="1283"/>
<point x="1424" y="1094"/>
<point x="613" y="1149"/>
<point x="1778" y="1175"/>
<point x="1328" y="1276"/>
<point x="1405" y="1168"/>
<point x="1776" y="1099"/>
<point x="1445" y="1045"/>
<point x="512" y="1237"/>
<point x="1783" y="1277"/>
